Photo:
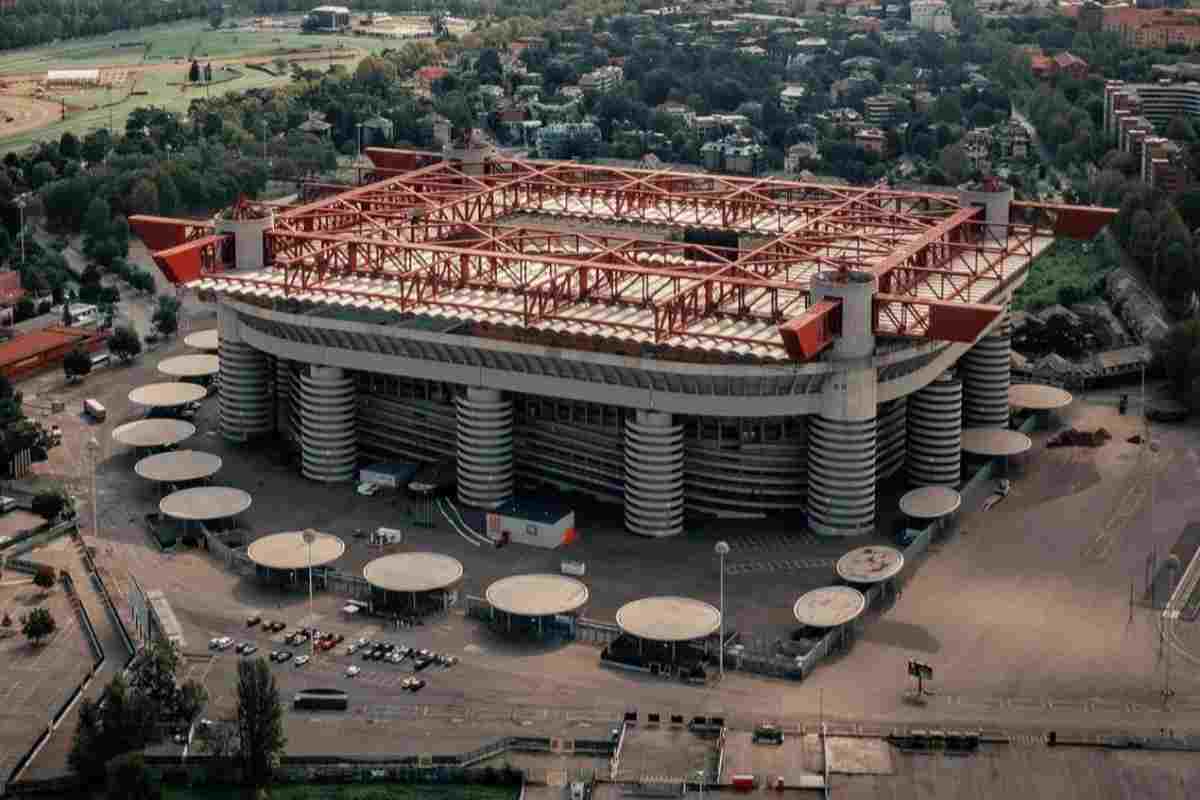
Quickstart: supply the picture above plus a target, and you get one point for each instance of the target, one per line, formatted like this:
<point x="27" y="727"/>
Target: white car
<point x="221" y="643"/>
<point x="352" y="670"/>
<point x="367" y="489"/>
<point x="301" y="660"/>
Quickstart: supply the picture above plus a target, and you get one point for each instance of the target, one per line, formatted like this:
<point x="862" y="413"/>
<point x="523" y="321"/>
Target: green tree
<point x="166" y="315"/>
<point x="68" y="145"/>
<point x="41" y="174"/>
<point x="125" y="344"/>
<point x="1178" y="355"/>
<point x="50" y="504"/>
<point x="37" y="625"/>
<point x="88" y="750"/>
<point x="129" y="779"/>
<point x="143" y="197"/>
<point x="260" y="722"/>
<point x="77" y="363"/>
<point x="44" y="577"/>
<point x="98" y="218"/>
<point x="153" y="673"/>
<point x="169" y="199"/>
<point x="375" y="72"/>
<point x="190" y="700"/>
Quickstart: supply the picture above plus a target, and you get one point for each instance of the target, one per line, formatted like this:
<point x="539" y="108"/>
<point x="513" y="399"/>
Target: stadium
<point x="676" y="342"/>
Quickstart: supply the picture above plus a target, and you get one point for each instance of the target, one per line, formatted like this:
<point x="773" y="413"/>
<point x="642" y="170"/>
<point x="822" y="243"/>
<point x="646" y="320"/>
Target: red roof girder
<point x="160" y="233"/>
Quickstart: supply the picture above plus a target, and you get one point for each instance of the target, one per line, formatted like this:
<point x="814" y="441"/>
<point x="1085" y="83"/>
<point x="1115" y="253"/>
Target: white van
<point x="94" y="409"/>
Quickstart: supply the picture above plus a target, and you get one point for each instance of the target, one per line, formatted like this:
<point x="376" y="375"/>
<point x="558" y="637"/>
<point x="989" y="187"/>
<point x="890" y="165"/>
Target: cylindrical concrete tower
<point x="841" y="439"/>
<point x="935" y="433"/>
<point x="328" y="401"/>
<point x="653" y="475"/>
<point x="247" y="237"/>
<point x="996" y="199"/>
<point x="246" y="383"/>
<point x="485" y="448"/>
<point x="890" y="440"/>
<point x="841" y="476"/>
<point x="986" y="370"/>
<point x="283" y="398"/>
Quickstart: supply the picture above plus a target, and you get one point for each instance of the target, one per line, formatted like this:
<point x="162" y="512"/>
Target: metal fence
<point x="594" y="632"/>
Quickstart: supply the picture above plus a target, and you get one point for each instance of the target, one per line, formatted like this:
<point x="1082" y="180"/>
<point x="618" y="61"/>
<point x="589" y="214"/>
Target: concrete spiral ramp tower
<point x="485" y="448"/>
<point x="935" y="433"/>
<point x="987" y="372"/>
<point x="653" y="475"/>
<point x="246" y="381"/>
<point x="328" y="404"/>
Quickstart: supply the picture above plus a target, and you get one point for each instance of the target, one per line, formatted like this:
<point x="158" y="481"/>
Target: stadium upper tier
<point x="678" y="261"/>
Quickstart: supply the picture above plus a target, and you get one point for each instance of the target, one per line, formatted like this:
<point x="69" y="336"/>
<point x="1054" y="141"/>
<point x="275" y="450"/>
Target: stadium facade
<point x="680" y="343"/>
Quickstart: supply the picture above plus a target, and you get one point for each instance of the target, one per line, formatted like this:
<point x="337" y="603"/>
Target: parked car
<point x="352" y="649"/>
<point x="249" y="649"/>
<point x="253" y="620"/>
<point x="447" y="661"/>
<point x="421" y="662"/>
<point x="284" y="655"/>
<point x="412" y="684"/>
<point x="277" y="626"/>
<point x="273" y="656"/>
<point x="221" y="643"/>
<point x="352" y="670"/>
<point x="302" y="660"/>
<point x="368" y="489"/>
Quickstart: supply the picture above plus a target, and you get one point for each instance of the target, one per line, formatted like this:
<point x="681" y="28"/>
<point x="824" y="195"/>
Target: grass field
<point x="374" y="791"/>
<point x="156" y="69"/>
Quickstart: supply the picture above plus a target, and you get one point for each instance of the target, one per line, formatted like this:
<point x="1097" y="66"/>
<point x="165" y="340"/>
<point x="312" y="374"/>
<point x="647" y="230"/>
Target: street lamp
<point x="94" y="449"/>
<point x="22" y="199"/>
<point x="722" y="550"/>
<point x="699" y="774"/>
<point x="309" y="537"/>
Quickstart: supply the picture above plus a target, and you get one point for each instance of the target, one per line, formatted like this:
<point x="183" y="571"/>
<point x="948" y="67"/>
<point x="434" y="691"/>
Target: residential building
<point x="1157" y="102"/>
<point x="798" y="154"/>
<point x="736" y="154"/>
<point x="1163" y="164"/>
<point x="427" y="76"/>
<point x="931" y="15"/>
<point x="604" y="79"/>
<point x="1064" y="63"/>
<point x="792" y="96"/>
<point x="567" y="139"/>
<point x="1154" y="28"/>
<point x="1091" y="17"/>
<point x="882" y="110"/>
<point x="679" y="111"/>
<point x="716" y="125"/>
<point x="1011" y="139"/>
<point x="871" y="139"/>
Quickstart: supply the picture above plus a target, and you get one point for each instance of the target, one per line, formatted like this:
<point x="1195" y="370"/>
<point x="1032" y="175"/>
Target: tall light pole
<point x="722" y="550"/>
<point x="700" y="781"/>
<point x="21" y="201"/>
<point x="309" y="537"/>
<point x="94" y="449"/>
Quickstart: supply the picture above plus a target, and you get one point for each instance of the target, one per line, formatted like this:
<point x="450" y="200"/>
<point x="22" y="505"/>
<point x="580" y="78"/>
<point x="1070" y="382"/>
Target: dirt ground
<point x="19" y="114"/>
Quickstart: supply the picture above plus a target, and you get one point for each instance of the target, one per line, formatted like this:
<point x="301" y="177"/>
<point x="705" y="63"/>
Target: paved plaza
<point x="1024" y="613"/>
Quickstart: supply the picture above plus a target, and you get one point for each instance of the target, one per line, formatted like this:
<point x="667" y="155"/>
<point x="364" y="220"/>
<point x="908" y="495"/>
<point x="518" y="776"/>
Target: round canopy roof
<point x="995" y="442"/>
<point x="203" y="503"/>
<point x="1037" y="397"/>
<point x="288" y="550"/>
<point x="167" y="395"/>
<point x="153" y="432"/>
<point x="204" y="340"/>
<point x="930" y="502"/>
<point x="871" y="564"/>
<point x="178" y="466"/>
<point x="197" y="365"/>
<point x="537" y="595"/>
<point x="829" y="606"/>
<point x="668" y="619"/>
<point x="413" y="572"/>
